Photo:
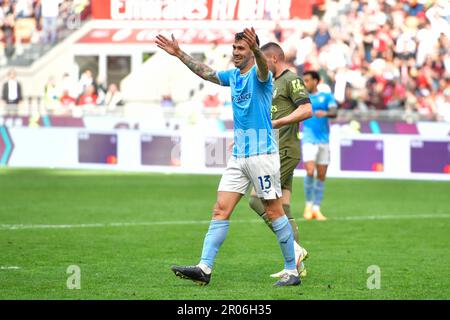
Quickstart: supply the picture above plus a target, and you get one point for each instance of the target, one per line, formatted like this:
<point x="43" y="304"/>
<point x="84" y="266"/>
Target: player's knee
<point x="220" y="211"/>
<point x="310" y="171"/>
<point x="274" y="213"/>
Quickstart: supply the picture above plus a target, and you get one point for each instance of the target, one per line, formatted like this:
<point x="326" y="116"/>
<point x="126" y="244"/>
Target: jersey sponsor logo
<point x="273" y="109"/>
<point x="242" y="98"/>
<point x="297" y="85"/>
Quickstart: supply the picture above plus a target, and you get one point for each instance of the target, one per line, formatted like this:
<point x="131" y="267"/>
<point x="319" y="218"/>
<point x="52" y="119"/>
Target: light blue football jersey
<point x="317" y="130"/>
<point x="251" y="102"/>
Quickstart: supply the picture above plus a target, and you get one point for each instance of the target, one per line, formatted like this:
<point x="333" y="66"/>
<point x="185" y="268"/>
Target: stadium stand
<point x="384" y="60"/>
<point x="381" y="55"/>
<point x="25" y="30"/>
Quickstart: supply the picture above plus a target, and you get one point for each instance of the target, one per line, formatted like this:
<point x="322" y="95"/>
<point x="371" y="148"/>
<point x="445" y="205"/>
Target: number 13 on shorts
<point x="265" y="183"/>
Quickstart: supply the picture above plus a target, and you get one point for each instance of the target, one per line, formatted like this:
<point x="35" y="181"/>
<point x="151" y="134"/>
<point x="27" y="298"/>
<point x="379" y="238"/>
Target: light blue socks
<point x="218" y="230"/>
<point x="309" y="188"/>
<point x="319" y="187"/>
<point x="216" y="235"/>
<point x="285" y="237"/>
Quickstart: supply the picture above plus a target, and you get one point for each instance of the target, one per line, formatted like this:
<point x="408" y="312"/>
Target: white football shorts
<point x="319" y="153"/>
<point x="262" y="171"/>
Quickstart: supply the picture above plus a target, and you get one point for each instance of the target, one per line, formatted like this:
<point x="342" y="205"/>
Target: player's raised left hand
<point x="170" y="46"/>
<point x="250" y="38"/>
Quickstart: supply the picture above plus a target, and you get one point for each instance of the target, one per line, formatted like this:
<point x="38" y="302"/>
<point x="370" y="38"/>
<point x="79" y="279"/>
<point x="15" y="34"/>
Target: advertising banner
<point x="355" y="156"/>
<point x="220" y="10"/>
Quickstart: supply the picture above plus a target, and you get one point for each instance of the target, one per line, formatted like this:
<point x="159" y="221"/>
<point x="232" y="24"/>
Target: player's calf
<point x="257" y="205"/>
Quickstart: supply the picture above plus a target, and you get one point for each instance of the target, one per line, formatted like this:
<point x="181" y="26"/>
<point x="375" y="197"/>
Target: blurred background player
<point x="315" y="145"/>
<point x="254" y="161"/>
<point x="290" y="105"/>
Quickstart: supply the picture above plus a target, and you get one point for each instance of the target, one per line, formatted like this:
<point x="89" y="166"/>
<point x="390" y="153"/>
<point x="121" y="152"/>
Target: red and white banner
<point x="221" y="10"/>
<point x="147" y="36"/>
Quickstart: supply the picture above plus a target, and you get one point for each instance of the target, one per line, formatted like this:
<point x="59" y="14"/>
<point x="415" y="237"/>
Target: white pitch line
<point x="188" y="222"/>
<point x="9" y="268"/>
<point x="393" y="217"/>
<point x="98" y="225"/>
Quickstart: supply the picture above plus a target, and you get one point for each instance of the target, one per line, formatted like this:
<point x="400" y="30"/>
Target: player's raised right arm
<point x="200" y="69"/>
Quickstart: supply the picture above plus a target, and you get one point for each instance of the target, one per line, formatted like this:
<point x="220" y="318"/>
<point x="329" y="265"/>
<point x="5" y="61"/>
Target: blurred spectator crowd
<point x="71" y="96"/>
<point x="36" y="21"/>
<point x="374" y="55"/>
<point x="379" y="54"/>
<point x="66" y="95"/>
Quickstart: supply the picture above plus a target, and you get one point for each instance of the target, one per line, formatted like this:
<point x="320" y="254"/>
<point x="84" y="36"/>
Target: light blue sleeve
<point x="269" y="78"/>
<point x="331" y="101"/>
<point x="224" y="77"/>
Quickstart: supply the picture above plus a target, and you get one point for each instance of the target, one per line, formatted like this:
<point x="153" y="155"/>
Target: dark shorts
<point x="287" y="167"/>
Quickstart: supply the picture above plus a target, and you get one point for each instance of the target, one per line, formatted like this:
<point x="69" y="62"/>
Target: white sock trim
<point x="205" y="268"/>
<point x="293" y="272"/>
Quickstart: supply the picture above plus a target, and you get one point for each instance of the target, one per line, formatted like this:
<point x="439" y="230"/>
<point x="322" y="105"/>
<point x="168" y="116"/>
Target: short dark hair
<point x="314" y="74"/>
<point x="276" y="49"/>
<point x="240" y="36"/>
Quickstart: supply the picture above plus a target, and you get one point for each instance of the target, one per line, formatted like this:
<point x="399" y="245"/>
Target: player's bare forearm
<point x="302" y="113"/>
<point x="332" y="113"/>
<point x="200" y="69"/>
<point x="171" y="47"/>
<point x="261" y="62"/>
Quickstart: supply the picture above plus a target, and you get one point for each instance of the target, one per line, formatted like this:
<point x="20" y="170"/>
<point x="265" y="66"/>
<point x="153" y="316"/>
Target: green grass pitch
<point x="124" y="230"/>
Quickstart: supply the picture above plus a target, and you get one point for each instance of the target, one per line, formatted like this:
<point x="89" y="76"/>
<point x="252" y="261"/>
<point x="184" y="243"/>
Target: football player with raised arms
<point x="255" y="160"/>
